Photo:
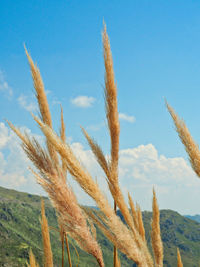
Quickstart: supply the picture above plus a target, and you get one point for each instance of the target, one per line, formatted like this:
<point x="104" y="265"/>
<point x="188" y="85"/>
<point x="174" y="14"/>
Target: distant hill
<point x="20" y="231"/>
<point x="194" y="217"/>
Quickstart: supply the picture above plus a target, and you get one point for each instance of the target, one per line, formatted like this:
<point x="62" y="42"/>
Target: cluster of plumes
<point x="51" y="176"/>
<point x="53" y="163"/>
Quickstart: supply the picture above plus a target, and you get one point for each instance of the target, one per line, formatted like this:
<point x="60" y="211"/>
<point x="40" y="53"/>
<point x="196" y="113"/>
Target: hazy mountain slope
<point x="20" y="230"/>
<point x="194" y="217"/>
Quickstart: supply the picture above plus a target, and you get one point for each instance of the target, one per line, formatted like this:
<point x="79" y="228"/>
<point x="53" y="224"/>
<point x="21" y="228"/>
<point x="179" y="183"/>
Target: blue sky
<point x="155" y="46"/>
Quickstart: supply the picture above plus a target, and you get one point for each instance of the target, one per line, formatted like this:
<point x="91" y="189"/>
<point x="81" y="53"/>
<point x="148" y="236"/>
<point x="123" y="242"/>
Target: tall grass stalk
<point x="179" y="261"/>
<point x="191" y="147"/>
<point x="48" y="257"/>
<point x="155" y="235"/>
<point x="32" y="260"/>
<point x="112" y="116"/>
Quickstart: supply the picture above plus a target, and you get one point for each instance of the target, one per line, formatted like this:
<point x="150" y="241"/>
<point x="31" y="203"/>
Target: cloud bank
<point x="140" y="169"/>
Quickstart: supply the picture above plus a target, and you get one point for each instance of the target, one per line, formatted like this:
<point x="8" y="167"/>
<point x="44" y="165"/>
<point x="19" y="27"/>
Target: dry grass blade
<point x="17" y="132"/>
<point x="48" y="257"/>
<point x="190" y="146"/>
<point x="40" y="91"/>
<point x="42" y="100"/>
<point x="140" y="222"/>
<point x="32" y="260"/>
<point x="97" y="151"/>
<point x="111" y="103"/>
<point x="101" y="225"/>
<point x="62" y="242"/>
<point x="63" y="138"/>
<point x="155" y="235"/>
<point x="179" y="261"/>
<point x="118" y="263"/>
<point x="68" y="251"/>
<point x="133" y="211"/>
<point x="34" y="151"/>
<point x="92" y="229"/>
<point x="67" y="245"/>
<point x="134" y="247"/>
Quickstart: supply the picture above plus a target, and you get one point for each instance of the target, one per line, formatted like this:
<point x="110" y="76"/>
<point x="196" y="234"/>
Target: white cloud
<point x="83" y="101"/>
<point x="141" y="169"/>
<point x="96" y="127"/>
<point x="27" y="103"/>
<point x="125" y="117"/>
<point x="4" y="137"/>
<point x="14" y="164"/>
<point x="4" y="87"/>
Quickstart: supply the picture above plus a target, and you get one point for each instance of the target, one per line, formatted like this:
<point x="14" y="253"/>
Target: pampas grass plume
<point x="48" y="257"/>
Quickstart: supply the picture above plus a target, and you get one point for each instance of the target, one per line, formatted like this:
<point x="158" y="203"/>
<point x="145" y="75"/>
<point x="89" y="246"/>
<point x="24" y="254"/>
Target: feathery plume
<point x="42" y="100"/>
<point x="133" y="211"/>
<point x="190" y="146"/>
<point x="32" y="260"/>
<point x="155" y="235"/>
<point x="97" y="151"/>
<point x="114" y="129"/>
<point x="48" y="257"/>
<point x="63" y="138"/>
<point x="111" y="103"/>
<point x="140" y="222"/>
<point x="179" y="261"/>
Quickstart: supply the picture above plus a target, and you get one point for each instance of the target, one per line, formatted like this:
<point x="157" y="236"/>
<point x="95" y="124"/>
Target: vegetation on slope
<point x="20" y="230"/>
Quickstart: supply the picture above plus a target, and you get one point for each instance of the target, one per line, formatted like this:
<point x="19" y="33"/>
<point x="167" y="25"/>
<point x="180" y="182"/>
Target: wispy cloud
<point x="14" y="163"/>
<point x="4" y="87"/>
<point x="83" y="101"/>
<point x="96" y="127"/>
<point x="56" y="102"/>
<point x="125" y="117"/>
<point x="27" y="103"/>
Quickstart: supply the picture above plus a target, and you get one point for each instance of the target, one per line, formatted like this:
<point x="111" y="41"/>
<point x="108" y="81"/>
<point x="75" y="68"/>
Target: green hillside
<point x="20" y="231"/>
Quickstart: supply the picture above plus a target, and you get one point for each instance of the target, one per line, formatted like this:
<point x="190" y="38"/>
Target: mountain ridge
<point x="20" y="231"/>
